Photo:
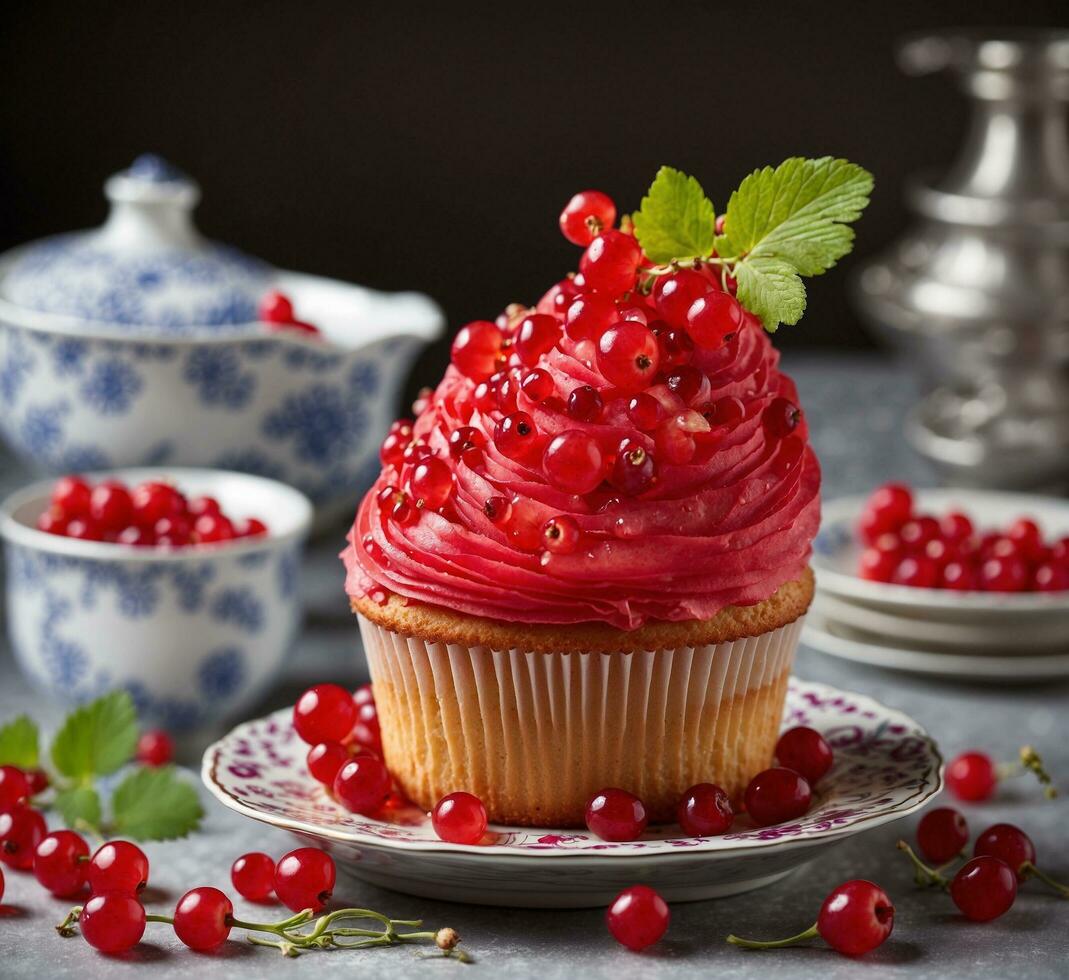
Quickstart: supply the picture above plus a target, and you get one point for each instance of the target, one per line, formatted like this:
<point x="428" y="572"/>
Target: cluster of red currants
<point x="152" y="514"/>
<point x="773" y="796"/>
<point x="908" y="548"/>
<point x="276" y="310"/>
<point x="649" y="333"/>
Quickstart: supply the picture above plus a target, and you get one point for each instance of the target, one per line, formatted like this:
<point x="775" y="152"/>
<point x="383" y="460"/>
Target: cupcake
<point x="585" y="562"/>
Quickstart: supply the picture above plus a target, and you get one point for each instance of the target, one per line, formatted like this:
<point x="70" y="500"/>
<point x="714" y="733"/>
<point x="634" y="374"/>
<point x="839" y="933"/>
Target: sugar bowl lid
<point x="147" y="268"/>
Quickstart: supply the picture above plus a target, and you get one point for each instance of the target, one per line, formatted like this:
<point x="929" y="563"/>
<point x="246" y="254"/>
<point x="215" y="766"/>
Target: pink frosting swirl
<point x="728" y="528"/>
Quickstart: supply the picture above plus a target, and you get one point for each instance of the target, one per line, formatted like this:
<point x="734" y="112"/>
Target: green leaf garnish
<point x="18" y="743"/>
<point x="97" y="738"/>
<point x="676" y="219"/>
<point x="790" y="222"/>
<point x="154" y="804"/>
<point x="80" y="808"/>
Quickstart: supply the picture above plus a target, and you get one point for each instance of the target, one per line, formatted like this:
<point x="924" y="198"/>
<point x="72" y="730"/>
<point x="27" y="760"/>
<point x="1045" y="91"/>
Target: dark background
<point x="432" y="148"/>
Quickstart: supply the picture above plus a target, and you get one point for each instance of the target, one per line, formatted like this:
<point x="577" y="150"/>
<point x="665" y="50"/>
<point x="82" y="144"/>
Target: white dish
<point x="838" y="640"/>
<point x="887" y="766"/>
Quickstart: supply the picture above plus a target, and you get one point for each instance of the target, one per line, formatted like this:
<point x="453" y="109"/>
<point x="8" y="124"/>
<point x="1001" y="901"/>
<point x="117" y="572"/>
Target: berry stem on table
<point x="1028" y="869"/>
<point x="923" y="875"/>
<point x="810" y="933"/>
<point x="1031" y="762"/>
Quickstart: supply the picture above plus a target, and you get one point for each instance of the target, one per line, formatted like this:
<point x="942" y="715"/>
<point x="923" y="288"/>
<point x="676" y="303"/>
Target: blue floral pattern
<point x="217" y="375"/>
<point x="239" y="607"/>
<point x="111" y="387"/>
<point x="321" y="422"/>
<point x="221" y="673"/>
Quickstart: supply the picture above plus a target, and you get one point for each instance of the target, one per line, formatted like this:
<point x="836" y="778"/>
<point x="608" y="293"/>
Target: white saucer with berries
<point x="885" y="766"/>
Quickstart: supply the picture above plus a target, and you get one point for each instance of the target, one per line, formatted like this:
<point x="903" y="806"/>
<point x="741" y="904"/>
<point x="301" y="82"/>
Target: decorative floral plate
<point x="886" y="766"/>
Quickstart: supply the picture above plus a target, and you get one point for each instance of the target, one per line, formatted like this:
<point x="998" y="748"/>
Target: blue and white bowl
<point x="195" y="634"/>
<point x="138" y="344"/>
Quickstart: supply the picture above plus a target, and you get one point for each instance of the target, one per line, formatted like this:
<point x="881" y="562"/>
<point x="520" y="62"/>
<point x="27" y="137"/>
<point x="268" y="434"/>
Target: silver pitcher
<point x="977" y="290"/>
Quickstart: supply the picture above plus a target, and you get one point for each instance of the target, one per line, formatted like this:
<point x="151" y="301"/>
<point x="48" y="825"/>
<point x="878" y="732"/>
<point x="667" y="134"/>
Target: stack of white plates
<point x="979" y="635"/>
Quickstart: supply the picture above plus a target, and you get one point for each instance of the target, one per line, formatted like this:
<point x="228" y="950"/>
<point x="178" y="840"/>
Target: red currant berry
<point x="253" y="876"/>
<point x="137" y="537"/>
<point x="477" y="349"/>
<point x="634" y="470"/>
<point x="52" y="522"/>
<point x="362" y="784"/>
<point x="638" y="917"/>
<point x="955" y="527"/>
<point x="431" y="483"/>
<point x="202" y="918"/>
<point x="1026" y="535"/>
<point x="463" y="438"/>
<point x="616" y="815"/>
<point x="877" y="566"/>
<point x="515" y="435"/>
<point x="537" y="334"/>
<point x="645" y="411"/>
<point x="984" y="888"/>
<point x="459" y="818"/>
<point x="276" y="307"/>
<point x="917" y="533"/>
<point x="213" y="528"/>
<point x="393" y="447"/>
<point x="14" y="788"/>
<point x="942" y="834"/>
<point x="304" y="879"/>
<point x="584" y="404"/>
<point x="713" y="319"/>
<point x="589" y="316"/>
<point x="325" y="759"/>
<point x="561" y="535"/>
<point x="1008" y="843"/>
<point x="324" y="713"/>
<point x="203" y="505"/>
<point x="60" y="863"/>
<point x="586" y="215"/>
<point x="155" y="748"/>
<point x="959" y="576"/>
<point x="21" y="830"/>
<point x="112" y="922"/>
<point x="704" y="810"/>
<point x="628" y="355"/>
<point x="781" y="418"/>
<point x="118" y="866"/>
<point x="38" y="780"/>
<point x="805" y="751"/>
<point x="71" y="497"/>
<point x="856" y="918"/>
<point x="887" y="509"/>
<point x="610" y="263"/>
<point x="916" y="571"/>
<point x="573" y="462"/>
<point x="525" y="524"/>
<point x="971" y="777"/>
<point x="686" y="383"/>
<point x="676" y="345"/>
<point x="1009" y="574"/>
<point x="85" y="529"/>
<point x="498" y="510"/>
<point x="110" y="505"/>
<point x="776" y="796"/>
<point x="251" y="527"/>
<point x="1050" y="577"/>
<point x="728" y="412"/>
<point x="555" y="299"/>
<point x="173" y="531"/>
<point x="154" y="501"/>
<point x="675" y="294"/>
<point x="537" y="385"/>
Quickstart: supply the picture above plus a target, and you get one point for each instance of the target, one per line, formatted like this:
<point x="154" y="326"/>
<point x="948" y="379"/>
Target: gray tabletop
<point x="855" y="406"/>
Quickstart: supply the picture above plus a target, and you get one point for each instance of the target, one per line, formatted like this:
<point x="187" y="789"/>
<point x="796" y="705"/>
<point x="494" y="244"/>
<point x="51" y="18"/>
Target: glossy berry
<point x="942" y="834"/>
<point x="916" y="571"/>
<point x="14" y="787"/>
<point x="638" y="917"/>
<point x="118" y="866"/>
<point x="781" y="418"/>
<point x="112" y="922"/>
<point x="573" y="462"/>
<point x="110" y="505"/>
<point x="431" y="483"/>
<point x="85" y="529"/>
<point x="561" y="535"/>
<point x="52" y="522"/>
<point x="955" y="527"/>
<point x="325" y="759"/>
<point x="713" y="319"/>
<point x="616" y="815"/>
<point x="984" y="888"/>
<point x="304" y="879"/>
<point x="856" y="918"/>
<point x="971" y="776"/>
<point x="498" y="510"/>
<point x="628" y="355"/>
<point x="1025" y="533"/>
<point x="61" y="863"/>
<point x="728" y="411"/>
<point x="515" y="435"/>
<point x="251" y="527"/>
<point x="324" y="713"/>
<point x="589" y="316"/>
<point x="21" y="830"/>
<point x="154" y="501"/>
<point x="805" y="751"/>
<point x="704" y="810"/>
<point x="477" y="348"/>
<point x="675" y="294"/>
<point x="536" y="335"/>
<point x="586" y="215"/>
<point x="362" y="784"/>
<point x="1004" y="574"/>
<point x="634" y="470"/>
<point x="959" y="576"/>
<point x="71" y="496"/>
<point x="537" y="385"/>
<point x="1050" y="577"/>
<point x="459" y="818"/>
<point x="877" y="566"/>
<point x="38" y="780"/>
<point x="1010" y="844"/>
<point x="584" y="404"/>
<point x="645" y="411"/>
<point x="155" y="748"/>
<point x="253" y="876"/>
<point x="610" y="263"/>
<point x="776" y="796"/>
<point x="887" y="509"/>
<point x="276" y="307"/>
<point x="202" y="918"/>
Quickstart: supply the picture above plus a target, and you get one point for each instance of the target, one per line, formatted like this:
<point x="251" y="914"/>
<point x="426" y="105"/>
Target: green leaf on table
<point x="96" y="738"/>
<point x="676" y="219"/>
<point x="18" y="743"/>
<point x="154" y="804"/>
<point x="787" y="222"/>
<point x="79" y="807"/>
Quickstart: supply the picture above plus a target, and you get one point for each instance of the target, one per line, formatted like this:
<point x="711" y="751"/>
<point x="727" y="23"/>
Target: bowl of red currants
<point x="181" y="586"/>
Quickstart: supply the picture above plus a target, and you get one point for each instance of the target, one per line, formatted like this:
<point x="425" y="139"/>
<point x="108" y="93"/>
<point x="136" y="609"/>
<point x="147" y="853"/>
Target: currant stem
<point x="810" y="933"/>
<point x="66" y="927"/>
<point x="1031" y="762"/>
<point x="924" y="876"/>
<point x="1029" y="869"/>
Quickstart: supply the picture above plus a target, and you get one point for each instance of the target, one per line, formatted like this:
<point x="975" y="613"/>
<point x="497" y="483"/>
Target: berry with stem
<point x="805" y="751"/>
<point x="118" y="866"/>
<point x="776" y="796"/>
<point x="854" y="919"/>
<point x="628" y="355"/>
<point x="253" y="876"/>
<point x="21" y="830"/>
<point x="304" y="879"/>
<point x="634" y="470"/>
<point x="203" y="917"/>
<point x="515" y="435"/>
<point x="111" y="922"/>
<point x="616" y="815"/>
<point x="586" y="216"/>
<point x="942" y="834"/>
<point x="638" y="917"/>
<point x="60" y="863"/>
<point x="561" y="535"/>
<point x="1015" y="847"/>
<point x="459" y="818"/>
<point x="705" y="810"/>
<point x="610" y="263"/>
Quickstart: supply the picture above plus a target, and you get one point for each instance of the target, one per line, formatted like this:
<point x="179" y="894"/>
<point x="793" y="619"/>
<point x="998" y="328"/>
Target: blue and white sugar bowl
<point x="139" y="343"/>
